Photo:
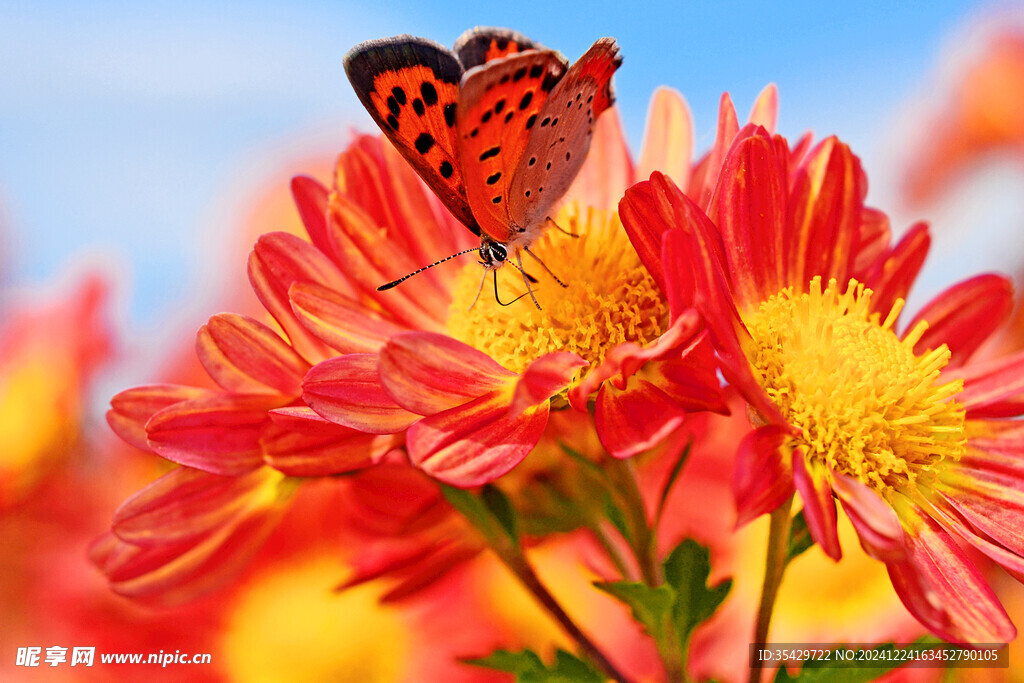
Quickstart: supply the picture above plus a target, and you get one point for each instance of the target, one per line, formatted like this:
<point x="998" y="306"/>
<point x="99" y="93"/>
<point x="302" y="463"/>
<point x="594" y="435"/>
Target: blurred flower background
<point x="144" y="148"/>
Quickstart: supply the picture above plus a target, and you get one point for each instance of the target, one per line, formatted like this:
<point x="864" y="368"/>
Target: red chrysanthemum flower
<point x="802" y="292"/>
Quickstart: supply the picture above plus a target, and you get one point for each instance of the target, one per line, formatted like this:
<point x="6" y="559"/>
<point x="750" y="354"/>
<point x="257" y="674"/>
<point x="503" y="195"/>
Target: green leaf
<point x="686" y="570"/>
<point x="500" y="506"/>
<point x="799" y="538"/>
<point x="528" y="667"/>
<point x="672" y="476"/>
<point x="651" y="606"/>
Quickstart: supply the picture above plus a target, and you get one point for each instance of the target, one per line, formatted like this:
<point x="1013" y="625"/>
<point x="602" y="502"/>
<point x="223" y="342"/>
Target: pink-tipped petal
<point x="477" y="442"/>
<point x="993" y="388"/>
<point x="544" y="378"/>
<point x="245" y="356"/>
<point x="762" y="480"/>
<point x="703" y="182"/>
<point x="311" y="200"/>
<point x="183" y="504"/>
<point x="878" y="528"/>
<point x="964" y="316"/>
<point x="668" y="138"/>
<point x="942" y="588"/>
<point x="426" y="372"/>
<point x="130" y="410"/>
<point x="347" y="391"/>
<point x="300" y="443"/>
<point x="218" y="434"/>
<point x="343" y="323"/>
<point x="819" y="507"/>
<point x="277" y="261"/>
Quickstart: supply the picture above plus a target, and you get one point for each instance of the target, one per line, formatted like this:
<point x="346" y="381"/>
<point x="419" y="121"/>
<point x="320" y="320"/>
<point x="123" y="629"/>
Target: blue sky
<point x="123" y="126"/>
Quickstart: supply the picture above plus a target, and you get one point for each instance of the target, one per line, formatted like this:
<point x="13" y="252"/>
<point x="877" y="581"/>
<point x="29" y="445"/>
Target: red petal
<point x="130" y="410"/>
<point x="765" y="111"/>
<point x="311" y="200"/>
<point x="186" y="503"/>
<point x="819" y="507"/>
<point x="636" y="419"/>
<point x="993" y="388"/>
<point x="343" y="323"/>
<point x="892" y="277"/>
<point x="825" y="209"/>
<point x="940" y="586"/>
<point x="965" y="315"/>
<point x="668" y="138"/>
<point x="647" y="212"/>
<point x="247" y="357"/>
<point x="217" y="434"/>
<point x="705" y="180"/>
<point x="300" y="443"/>
<point x="751" y="204"/>
<point x="347" y="390"/>
<point x="277" y="261"/>
<point x="426" y="372"/>
<point x="878" y="528"/>
<point x="544" y="378"/>
<point x="762" y="480"/>
<point x="475" y="443"/>
<point x="873" y="241"/>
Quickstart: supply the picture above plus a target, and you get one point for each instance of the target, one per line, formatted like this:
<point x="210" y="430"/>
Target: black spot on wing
<point x="449" y="114"/>
<point x="446" y="169"/>
<point x="429" y="93"/>
<point x="492" y="152"/>
<point x="486" y="117"/>
<point x="392" y="121"/>
<point x="417" y="106"/>
<point x="508" y="116"/>
<point x="498" y="106"/>
<point x="536" y="70"/>
<point x="494" y="178"/>
<point x="530" y="121"/>
<point x="366" y="61"/>
<point x="527" y="98"/>
<point x="424" y="142"/>
<point x="519" y="74"/>
<point x="497" y="200"/>
<point x="393" y="106"/>
<point x="398" y="94"/>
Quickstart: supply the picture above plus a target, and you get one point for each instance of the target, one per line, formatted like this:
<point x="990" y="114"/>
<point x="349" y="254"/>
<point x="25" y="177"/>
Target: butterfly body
<point x="497" y="128"/>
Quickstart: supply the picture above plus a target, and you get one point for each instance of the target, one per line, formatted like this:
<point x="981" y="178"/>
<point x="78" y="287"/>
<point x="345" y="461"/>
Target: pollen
<point x="609" y="298"/>
<point x="866" y="405"/>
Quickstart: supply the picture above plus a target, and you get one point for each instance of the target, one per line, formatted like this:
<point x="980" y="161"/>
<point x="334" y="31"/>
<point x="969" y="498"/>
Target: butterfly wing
<point x="484" y="44"/>
<point x="559" y="141"/>
<point x="498" y="111"/>
<point x="410" y="86"/>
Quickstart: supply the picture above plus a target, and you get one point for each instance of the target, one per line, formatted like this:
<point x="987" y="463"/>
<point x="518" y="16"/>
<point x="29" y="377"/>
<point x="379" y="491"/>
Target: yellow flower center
<point x="610" y="297"/>
<point x="866" y="405"/>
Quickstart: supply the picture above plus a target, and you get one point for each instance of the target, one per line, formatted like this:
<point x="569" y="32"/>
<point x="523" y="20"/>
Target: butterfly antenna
<point x="551" y="220"/>
<point x="395" y="283"/>
<point x="545" y="266"/>
<point x="496" y="298"/>
<point x="519" y="265"/>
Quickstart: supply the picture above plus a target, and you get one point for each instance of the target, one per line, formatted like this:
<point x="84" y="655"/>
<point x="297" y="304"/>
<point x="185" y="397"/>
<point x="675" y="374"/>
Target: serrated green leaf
<point x="651" y="606"/>
<point x="686" y="570"/>
<point x="500" y="506"/>
<point x="799" y="538"/>
<point x="528" y="667"/>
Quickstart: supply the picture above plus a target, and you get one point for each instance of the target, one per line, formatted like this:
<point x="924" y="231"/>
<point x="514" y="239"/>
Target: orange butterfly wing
<point x="484" y="44"/>
<point x="498" y="109"/>
<point x="560" y="141"/>
<point x="410" y="86"/>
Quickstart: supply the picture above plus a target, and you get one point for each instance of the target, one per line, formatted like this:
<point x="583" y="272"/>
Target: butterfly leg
<point x="551" y="221"/>
<point x="519" y="264"/>
<point x="545" y="266"/>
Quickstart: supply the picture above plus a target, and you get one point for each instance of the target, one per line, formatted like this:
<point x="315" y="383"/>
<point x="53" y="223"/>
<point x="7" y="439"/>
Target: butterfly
<point x="498" y="127"/>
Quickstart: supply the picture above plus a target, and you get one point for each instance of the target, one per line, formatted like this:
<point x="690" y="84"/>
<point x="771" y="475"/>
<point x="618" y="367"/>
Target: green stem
<point x="609" y="548"/>
<point x="775" y="565"/>
<point x="519" y="566"/>
<point x="643" y="539"/>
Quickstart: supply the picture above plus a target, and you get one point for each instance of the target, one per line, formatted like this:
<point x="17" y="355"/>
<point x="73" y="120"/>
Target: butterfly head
<point x="492" y="254"/>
